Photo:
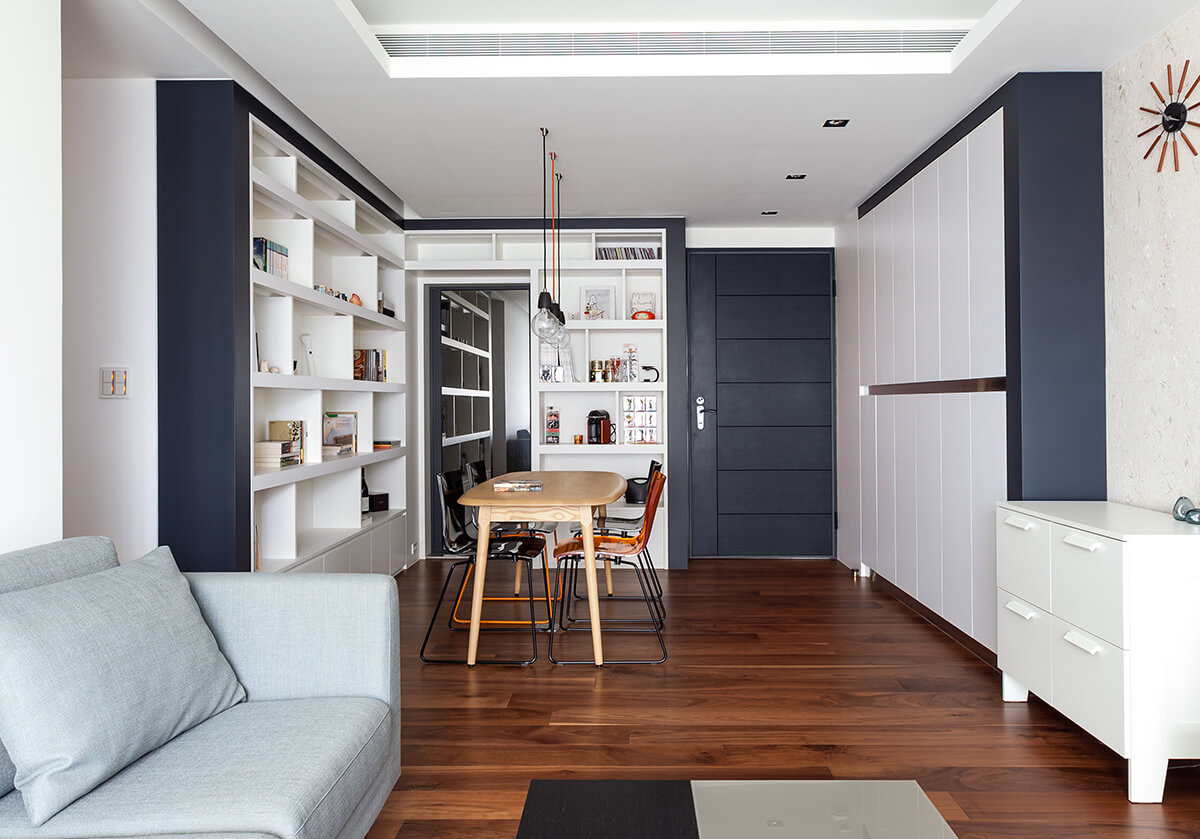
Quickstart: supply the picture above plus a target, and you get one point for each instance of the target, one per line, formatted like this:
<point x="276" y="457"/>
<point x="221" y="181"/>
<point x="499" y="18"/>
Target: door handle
<point x="701" y="411"/>
<point x="1078" y="639"/>
<point x="1019" y="523"/>
<point x="1075" y="540"/>
<point x="1020" y="610"/>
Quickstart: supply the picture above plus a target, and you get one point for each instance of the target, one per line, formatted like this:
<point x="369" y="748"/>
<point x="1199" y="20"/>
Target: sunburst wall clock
<point x="1173" y="116"/>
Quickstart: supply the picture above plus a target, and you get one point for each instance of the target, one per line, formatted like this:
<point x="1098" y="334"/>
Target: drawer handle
<point x="1019" y="523"/>
<point x="1020" y="609"/>
<point x="1083" y="542"/>
<point x="1077" y="639"/>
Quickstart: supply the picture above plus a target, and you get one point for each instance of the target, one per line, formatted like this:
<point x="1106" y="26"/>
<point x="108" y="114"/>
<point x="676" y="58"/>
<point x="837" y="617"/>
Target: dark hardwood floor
<point x="777" y="669"/>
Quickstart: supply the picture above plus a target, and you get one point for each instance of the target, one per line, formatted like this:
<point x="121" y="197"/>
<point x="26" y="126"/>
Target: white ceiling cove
<point x="712" y="148"/>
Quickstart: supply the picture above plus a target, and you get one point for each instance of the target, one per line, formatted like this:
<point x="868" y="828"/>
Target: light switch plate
<point x="114" y="382"/>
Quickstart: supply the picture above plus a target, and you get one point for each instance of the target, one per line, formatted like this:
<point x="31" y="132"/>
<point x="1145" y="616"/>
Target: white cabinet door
<point x="986" y="237"/>
<point x="866" y="300"/>
<point x="927" y="297"/>
<point x="885" y="298"/>
<point x="904" y="314"/>
<point x="989" y="484"/>
<point x="869" y="478"/>
<point x="929" y="499"/>
<point x="337" y="560"/>
<point x="360" y="554"/>
<point x="381" y="549"/>
<point x="906" y="493"/>
<point x="954" y="265"/>
<point x="398" y="538"/>
<point x="957" y="595"/>
<point x="885" y="510"/>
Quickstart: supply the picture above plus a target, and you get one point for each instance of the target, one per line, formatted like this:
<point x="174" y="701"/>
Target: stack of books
<point x="276" y="453"/>
<point x="328" y="452"/>
<point x="384" y="445"/>
<point x="271" y="257"/>
<point x="288" y="431"/>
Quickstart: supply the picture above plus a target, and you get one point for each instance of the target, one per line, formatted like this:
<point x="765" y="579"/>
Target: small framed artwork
<point x="598" y="302"/>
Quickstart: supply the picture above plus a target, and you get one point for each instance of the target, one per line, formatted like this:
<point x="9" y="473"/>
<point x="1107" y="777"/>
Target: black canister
<point x="599" y="427"/>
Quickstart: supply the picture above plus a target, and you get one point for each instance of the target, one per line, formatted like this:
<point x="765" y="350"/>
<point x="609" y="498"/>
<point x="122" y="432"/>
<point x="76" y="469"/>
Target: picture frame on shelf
<point x="598" y="302"/>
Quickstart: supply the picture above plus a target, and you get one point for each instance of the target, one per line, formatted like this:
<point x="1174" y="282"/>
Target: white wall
<point x="920" y="300"/>
<point x="31" y="280"/>
<point x="110" y="446"/>
<point x="1152" y="309"/>
<point x="759" y="237"/>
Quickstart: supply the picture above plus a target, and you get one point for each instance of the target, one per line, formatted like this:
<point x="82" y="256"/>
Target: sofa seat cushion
<point x="290" y="768"/>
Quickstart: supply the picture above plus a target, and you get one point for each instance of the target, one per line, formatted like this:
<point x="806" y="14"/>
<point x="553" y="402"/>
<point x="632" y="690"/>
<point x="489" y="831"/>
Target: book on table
<point x="517" y="486"/>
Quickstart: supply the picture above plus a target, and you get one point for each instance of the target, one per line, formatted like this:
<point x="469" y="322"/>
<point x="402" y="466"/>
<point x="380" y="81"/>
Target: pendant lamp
<point x="546" y="325"/>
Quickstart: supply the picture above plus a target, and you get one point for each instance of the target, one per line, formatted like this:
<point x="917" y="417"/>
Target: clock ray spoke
<point x="1195" y="124"/>
<point x="1170" y="84"/>
<point x="1175" y="152"/>
<point x="1158" y="93"/>
<point x="1150" y="111"/>
<point x="1150" y="150"/>
<point x="1162" y="157"/>
<point x="1184" y="135"/>
<point x="1151" y="128"/>
<point x="1190" y="89"/>
<point x="1183" y="76"/>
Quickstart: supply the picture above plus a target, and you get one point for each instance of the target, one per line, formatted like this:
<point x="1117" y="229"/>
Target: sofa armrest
<point x="306" y="635"/>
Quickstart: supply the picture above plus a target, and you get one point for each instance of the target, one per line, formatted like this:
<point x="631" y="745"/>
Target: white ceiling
<point x="713" y="149"/>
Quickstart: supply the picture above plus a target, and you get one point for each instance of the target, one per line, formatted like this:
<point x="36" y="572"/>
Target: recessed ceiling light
<point x="836" y="123"/>
<point x="769" y="213"/>
<point x="794" y="177"/>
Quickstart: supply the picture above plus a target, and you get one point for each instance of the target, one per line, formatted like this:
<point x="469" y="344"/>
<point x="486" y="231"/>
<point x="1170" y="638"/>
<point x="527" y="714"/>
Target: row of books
<point x="370" y="365"/>
<point x="609" y="252"/>
<point x="271" y="257"/>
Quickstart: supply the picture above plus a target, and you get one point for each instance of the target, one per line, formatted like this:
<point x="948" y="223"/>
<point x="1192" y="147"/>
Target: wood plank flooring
<point x="777" y="669"/>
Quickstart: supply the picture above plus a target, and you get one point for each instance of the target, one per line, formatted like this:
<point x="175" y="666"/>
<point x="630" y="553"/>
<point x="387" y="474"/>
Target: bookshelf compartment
<point x="281" y="168"/>
<point x="275" y="525"/>
<point x="294" y="234"/>
<point x="360" y="403"/>
<point x="628" y="246"/>
<point x="332" y="338"/>
<point x="456" y="246"/>
<point x="390" y="477"/>
<point x="273" y="327"/>
<point x="527" y="247"/>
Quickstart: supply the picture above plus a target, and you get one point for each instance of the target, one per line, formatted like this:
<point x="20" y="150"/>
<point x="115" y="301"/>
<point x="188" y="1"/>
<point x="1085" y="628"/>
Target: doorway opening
<point x="480" y="375"/>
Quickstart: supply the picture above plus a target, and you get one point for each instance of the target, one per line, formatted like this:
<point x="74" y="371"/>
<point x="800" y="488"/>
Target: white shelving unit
<point x="308" y="517"/>
<point x="507" y="256"/>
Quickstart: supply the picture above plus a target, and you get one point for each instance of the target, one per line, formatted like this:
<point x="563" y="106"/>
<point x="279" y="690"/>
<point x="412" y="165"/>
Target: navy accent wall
<point x="1054" y="267"/>
<point x="204" y="325"/>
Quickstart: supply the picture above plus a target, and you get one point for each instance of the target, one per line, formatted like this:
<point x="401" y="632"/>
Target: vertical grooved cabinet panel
<point x="929" y="499"/>
<point x="885" y="434"/>
<point x="926" y="292"/>
<point x="986" y="240"/>
<point x="866" y="300"/>
<point x="989" y="477"/>
<point x="906" y="493"/>
<point x="904" y="313"/>
<point x="869" y="479"/>
<point x="957" y="511"/>
<point x="954" y="262"/>
<point x="849" y="511"/>
<point x="885" y="302"/>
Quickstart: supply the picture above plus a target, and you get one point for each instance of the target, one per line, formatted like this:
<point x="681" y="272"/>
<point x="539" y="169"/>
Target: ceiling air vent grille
<point x="504" y="44"/>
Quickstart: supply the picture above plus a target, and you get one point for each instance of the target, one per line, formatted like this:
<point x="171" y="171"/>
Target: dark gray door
<point x="760" y="367"/>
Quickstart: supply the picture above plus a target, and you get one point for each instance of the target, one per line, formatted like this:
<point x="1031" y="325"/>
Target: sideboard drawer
<point x="1090" y="678"/>
<point x="1024" y="639"/>
<point x="1023" y="556"/>
<point x="1087" y="582"/>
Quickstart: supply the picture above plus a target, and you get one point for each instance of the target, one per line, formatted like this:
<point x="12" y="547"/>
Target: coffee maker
<point x="599" y="427"/>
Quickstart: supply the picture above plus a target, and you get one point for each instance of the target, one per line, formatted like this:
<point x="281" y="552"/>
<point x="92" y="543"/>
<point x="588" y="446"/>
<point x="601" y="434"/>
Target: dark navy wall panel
<point x="203" y="325"/>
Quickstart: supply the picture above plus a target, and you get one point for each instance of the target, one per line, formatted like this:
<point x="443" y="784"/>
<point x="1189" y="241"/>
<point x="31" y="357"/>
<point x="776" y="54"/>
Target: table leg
<point x="481" y="552"/>
<point x="603" y="511"/>
<point x="589" y="567"/>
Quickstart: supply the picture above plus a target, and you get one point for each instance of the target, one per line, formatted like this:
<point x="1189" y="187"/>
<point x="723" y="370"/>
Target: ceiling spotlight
<point x="769" y="213"/>
<point x="836" y="123"/>
<point x="794" y="177"/>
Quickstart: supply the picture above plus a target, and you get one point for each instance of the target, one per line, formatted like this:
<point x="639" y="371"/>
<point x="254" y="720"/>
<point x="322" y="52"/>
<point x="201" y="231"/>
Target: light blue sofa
<point x="311" y="754"/>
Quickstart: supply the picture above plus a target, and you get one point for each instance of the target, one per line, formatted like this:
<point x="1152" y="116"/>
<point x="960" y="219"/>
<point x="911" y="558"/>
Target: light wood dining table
<point x="565" y="496"/>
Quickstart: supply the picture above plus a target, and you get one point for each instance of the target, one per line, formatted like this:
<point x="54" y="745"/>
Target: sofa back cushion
<point x="100" y="670"/>
<point x="39" y="566"/>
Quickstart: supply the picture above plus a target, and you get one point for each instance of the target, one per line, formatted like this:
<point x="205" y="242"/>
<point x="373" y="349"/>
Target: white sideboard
<point x="1096" y="615"/>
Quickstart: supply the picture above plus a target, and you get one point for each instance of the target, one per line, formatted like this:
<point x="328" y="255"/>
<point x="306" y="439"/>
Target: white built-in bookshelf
<point x="308" y="517"/>
<point x="625" y="261"/>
